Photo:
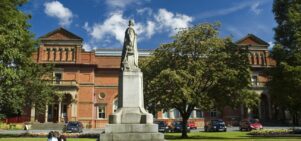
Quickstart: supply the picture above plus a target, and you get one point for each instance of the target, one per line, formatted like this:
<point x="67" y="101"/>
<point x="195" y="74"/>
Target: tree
<point x="197" y="70"/>
<point x="285" y="84"/>
<point x="20" y="76"/>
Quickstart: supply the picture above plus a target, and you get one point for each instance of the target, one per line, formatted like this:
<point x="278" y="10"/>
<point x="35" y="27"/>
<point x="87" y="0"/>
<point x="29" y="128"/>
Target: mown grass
<point x="195" y="136"/>
<point x="43" y="139"/>
<point x="228" y="136"/>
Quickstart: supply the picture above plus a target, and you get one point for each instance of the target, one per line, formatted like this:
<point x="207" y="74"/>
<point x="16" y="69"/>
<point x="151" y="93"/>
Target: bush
<point x="11" y="126"/>
<point x="270" y="132"/>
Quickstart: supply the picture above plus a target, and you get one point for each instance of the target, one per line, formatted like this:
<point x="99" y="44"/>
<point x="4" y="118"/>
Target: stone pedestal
<point x="131" y="122"/>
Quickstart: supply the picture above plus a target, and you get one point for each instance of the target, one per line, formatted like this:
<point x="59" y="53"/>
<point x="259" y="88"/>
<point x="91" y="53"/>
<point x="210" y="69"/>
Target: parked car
<point x="215" y="125"/>
<point x="176" y="126"/>
<point x="162" y="126"/>
<point x="73" y="127"/>
<point x="250" y="124"/>
<point x="192" y="125"/>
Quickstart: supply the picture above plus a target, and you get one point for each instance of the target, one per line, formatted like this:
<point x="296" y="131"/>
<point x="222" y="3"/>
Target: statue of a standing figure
<point x="129" y="58"/>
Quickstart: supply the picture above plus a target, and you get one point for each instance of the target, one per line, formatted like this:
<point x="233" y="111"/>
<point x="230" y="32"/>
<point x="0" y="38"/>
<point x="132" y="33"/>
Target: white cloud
<point x="172" y="22"/>
<point x="255" y="8"/>
<point x="271" y="44"/>
<point x="87" y="47"/>
<point x="113" y="26"/>
<point x="150" y="29"/>
<point x="234" y="31"/>
<point x="57" y="10"/>
<point x="252" y="5"/>
<point x="112" y="29"/>
<point x="123" y="3"/>
<point x="144" y="10"/>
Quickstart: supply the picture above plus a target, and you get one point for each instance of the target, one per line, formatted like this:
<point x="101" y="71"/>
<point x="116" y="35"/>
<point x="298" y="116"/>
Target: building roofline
<point x="44" y="37"/>
<point x="253" y="37"/>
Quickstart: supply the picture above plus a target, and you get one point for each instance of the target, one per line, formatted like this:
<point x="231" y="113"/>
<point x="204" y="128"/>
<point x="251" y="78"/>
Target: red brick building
<point x="87" y="82"/>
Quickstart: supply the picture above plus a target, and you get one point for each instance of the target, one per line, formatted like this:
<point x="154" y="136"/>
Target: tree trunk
<point x="184" y="126"/>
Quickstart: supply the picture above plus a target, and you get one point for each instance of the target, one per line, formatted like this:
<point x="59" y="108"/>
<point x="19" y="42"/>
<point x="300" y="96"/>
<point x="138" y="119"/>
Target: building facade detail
<point x="88" y="82"/>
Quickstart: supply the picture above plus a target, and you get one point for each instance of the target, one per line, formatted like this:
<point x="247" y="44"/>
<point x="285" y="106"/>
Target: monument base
<point x="131" y="122"/>
<point x="131" y="132"/>
<point x="132" y="137"/>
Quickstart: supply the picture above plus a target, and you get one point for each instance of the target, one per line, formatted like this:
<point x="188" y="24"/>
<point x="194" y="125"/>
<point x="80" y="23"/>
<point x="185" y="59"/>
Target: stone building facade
<point x="88" y="82"/>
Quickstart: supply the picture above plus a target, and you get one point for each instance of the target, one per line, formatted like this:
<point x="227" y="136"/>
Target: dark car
<point x="176" y="126"/>
<point x="162" y="126"/>
<point x="73" y="127"/>
<point x="250" y="124"/>
<point x="215" y="125"/>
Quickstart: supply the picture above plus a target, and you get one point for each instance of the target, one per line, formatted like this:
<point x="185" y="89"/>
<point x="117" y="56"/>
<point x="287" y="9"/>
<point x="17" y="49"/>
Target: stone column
<point x="70" y="55"/>
<point x="254" y="59"/>
<point x="73" y="54"/>
<point x="32" y="113"/>
<point x="46" y="114"/>
<point x="63" y="55"/>
<point x="66" y="54"/>
<point x="73" y="111"/>
<point x="59" y="111"/>
<point x="58" y="57"/>
<point x="51" y="54"/>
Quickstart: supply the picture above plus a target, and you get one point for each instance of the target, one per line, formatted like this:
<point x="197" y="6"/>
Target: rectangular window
<point x="199" y="114"/>
<point x="57" y="77"/>
<point x="101" y="111"/>
<point x="176" y="113"/>
<point x="213" y="113"/>
<point x="166" y="114"/>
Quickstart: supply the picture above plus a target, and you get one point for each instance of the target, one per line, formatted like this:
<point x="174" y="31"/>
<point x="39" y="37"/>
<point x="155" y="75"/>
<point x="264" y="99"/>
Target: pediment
<point x="60" y="34"/>
<point x="252" y="40"/>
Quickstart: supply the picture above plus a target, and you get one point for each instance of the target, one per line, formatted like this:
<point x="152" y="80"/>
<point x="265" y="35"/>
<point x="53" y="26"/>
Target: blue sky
<point x="101" y="23"/>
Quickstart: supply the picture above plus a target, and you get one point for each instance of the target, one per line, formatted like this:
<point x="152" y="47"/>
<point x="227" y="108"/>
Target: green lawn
<point x="196" y="136"/>
<point x="228" y="136"/>
<point x="43" y="139"/>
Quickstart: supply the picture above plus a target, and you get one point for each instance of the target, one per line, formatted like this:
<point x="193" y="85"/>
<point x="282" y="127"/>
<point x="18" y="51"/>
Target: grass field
<point x="227" y="136"/>
<point x="196" y="136"/>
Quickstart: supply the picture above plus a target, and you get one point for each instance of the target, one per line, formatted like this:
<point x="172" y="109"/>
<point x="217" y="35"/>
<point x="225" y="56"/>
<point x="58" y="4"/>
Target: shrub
<point x="270" y="132"/>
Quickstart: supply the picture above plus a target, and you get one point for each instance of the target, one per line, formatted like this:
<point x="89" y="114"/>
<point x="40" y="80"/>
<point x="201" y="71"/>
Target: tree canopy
<point x="20" y="76"/>
<point x="197" y="70"/>
<point x="285" y="84"/>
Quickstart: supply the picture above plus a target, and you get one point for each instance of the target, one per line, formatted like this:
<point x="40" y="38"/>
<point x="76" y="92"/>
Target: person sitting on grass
<point x="51" y="136"/>
<point x="62" y="138"/>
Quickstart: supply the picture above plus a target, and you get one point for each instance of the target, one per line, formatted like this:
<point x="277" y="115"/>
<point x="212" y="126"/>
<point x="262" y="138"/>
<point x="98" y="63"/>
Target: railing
<point x="63" y="82"/>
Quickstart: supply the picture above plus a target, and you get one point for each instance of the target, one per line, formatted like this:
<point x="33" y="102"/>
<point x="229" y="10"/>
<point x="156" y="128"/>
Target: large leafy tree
<point x="20" y="76"/>
<point x="285" y="84"/>
<point x="197" y="70"/>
